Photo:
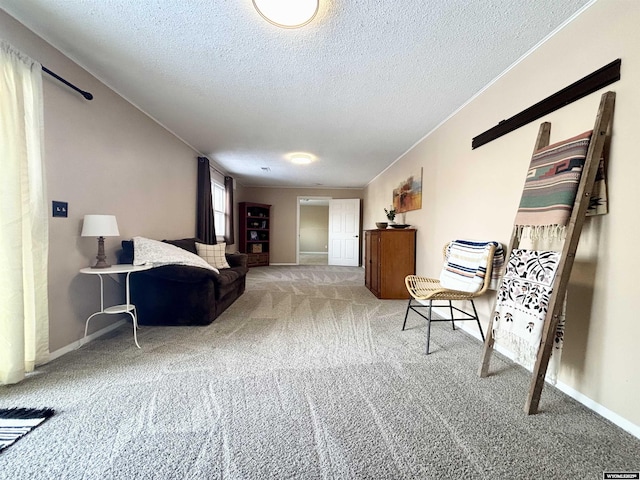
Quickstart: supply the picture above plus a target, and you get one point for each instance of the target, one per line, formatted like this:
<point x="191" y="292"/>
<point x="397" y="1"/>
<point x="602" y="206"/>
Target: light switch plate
<point x="60" y="209"/>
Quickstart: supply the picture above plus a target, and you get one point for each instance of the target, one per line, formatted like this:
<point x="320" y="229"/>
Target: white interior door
<point x="344" y="232"/>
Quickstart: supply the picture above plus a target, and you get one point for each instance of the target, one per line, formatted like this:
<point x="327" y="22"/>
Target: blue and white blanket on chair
<point x="465" y="266"/>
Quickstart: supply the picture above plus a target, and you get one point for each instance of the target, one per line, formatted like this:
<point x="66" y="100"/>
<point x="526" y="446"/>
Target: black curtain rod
<point x="212" y="167"/>
<point x="86" y="95"/>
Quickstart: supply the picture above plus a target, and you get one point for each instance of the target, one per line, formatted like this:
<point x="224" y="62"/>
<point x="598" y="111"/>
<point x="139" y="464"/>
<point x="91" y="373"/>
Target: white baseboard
<point x="78" y="343"/>
<point x="613" y="417"/>
<point x="601" y="410"/>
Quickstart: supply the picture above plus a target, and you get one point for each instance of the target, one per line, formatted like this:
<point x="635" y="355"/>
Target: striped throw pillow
<point x="213" y="254"/>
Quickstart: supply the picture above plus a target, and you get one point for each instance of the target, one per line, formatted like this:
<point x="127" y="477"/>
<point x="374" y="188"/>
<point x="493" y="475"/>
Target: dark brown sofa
<point x="181" y="294"/>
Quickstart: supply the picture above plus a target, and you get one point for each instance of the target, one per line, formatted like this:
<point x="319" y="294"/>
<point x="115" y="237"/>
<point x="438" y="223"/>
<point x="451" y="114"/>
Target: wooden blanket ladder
<point x="573" y="231"/>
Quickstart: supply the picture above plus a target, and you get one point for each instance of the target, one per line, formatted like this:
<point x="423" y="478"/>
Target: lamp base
<point x="101" y="256"/>
<point x="101" y="265"/>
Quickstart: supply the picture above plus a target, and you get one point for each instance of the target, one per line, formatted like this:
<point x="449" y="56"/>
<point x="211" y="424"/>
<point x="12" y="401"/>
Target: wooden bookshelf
<point x="255" y="226"/>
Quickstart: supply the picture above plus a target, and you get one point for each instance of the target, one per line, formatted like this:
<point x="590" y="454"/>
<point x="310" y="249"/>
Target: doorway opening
<point x="313" y="231"/>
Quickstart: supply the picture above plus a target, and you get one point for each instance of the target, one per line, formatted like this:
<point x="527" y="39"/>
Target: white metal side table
<point x="116" y="309"/>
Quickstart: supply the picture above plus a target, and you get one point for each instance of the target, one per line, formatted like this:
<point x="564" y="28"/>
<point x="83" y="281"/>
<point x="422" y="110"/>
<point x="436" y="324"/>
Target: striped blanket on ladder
<point x="552" y="182"/>
<point x="465" y="265"/>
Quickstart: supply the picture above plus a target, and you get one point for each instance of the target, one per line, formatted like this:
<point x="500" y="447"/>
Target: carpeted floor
<point x="313" y="258"/>
<point x="306" y="376"/>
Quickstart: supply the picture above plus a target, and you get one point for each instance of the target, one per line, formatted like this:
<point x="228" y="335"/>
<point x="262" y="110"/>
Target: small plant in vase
<point x="391" y="214"/>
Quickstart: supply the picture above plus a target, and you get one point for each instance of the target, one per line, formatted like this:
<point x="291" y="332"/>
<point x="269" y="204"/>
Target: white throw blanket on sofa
<point x="157" y="254"/>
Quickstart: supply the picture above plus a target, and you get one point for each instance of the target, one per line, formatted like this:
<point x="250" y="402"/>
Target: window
<point x="218" y="209"/>
<point x="219" y="203"/>
<point x="222" y="199"/>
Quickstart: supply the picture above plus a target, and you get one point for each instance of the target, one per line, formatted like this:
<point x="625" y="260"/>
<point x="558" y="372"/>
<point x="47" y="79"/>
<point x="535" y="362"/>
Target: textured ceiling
<point x="357" y="87"/>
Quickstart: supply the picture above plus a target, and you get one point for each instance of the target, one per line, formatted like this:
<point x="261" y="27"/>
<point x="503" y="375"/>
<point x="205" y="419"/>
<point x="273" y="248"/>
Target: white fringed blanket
<point x="523" y="301"/>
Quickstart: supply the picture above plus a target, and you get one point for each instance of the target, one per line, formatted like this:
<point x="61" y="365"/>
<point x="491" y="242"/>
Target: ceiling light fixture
<point x="301" y="158"/>
<point x="287" y="13"/>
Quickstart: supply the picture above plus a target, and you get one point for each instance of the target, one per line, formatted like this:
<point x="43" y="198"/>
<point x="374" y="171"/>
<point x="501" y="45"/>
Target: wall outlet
<point x="60" y="209"/>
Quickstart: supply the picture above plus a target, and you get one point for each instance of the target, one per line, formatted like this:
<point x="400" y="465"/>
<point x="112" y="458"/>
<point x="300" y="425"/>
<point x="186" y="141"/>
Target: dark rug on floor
<point x="17" y="422"/>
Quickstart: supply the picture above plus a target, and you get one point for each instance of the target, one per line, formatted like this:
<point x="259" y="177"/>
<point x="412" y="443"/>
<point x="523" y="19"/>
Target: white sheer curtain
<point x="24" y="316"/>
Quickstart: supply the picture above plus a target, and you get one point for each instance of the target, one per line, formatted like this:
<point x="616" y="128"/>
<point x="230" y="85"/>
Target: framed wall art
<point x="408" y="195"/>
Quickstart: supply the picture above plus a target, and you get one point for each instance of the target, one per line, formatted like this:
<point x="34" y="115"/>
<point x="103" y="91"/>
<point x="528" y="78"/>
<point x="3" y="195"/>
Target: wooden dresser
<point x="390" y="255"/>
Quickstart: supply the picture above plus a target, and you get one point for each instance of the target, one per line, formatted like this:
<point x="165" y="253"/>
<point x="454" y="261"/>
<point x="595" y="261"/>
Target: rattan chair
<point x="423" y="291"/>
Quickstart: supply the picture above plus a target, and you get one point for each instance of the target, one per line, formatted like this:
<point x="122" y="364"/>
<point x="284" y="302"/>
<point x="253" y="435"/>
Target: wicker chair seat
<point x="424" y="288"/>
<point x="425" y="291"/>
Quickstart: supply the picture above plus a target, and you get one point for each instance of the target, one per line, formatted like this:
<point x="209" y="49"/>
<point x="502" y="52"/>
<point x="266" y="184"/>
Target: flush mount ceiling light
<point x="287" y="13"/>
<point x="301" y="158"/>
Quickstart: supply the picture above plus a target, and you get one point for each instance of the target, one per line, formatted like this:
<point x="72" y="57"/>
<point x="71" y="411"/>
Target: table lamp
<point x="100" y="226"/>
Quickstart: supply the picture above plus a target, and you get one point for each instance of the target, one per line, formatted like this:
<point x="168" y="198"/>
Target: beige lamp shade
<point x="100" y="226"/>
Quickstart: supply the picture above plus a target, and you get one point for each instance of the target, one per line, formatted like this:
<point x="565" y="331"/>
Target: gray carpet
<point x="306" y="376"/>
<point x="313" y="259"/>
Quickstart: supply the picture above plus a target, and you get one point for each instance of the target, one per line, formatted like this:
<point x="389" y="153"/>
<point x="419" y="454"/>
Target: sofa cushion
<point x="126" y="255"/>
<point x="181" y="274"/>
<point x="213" y="254"/>
<point x="189" y="244"/>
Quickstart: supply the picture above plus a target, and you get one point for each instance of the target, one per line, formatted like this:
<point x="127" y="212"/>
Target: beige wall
<point x="314" y="228"/>
<point x="475" y="193"/>
<point x="102" y="156"/>
<point x="284" y="210"/>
